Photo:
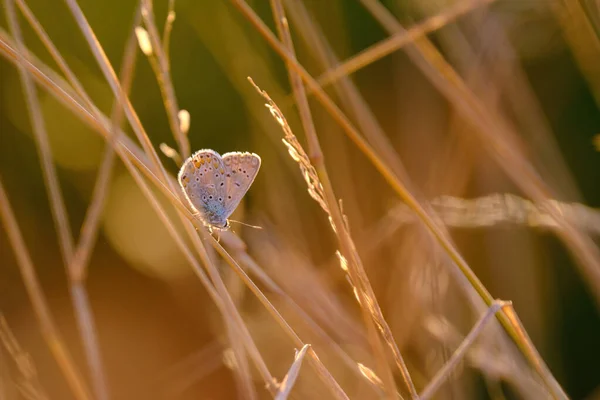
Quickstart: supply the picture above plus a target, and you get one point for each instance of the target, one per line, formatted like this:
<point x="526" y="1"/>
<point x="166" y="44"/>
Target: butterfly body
<point x="214" y="184"/>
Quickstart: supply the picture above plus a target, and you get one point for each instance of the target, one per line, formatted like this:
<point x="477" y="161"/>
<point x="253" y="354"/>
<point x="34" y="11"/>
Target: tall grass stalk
<point x="587" y="250"/>
<point x="317" y="159"/>
<point x="78" y="292"/>
<point x="50" y="331"/>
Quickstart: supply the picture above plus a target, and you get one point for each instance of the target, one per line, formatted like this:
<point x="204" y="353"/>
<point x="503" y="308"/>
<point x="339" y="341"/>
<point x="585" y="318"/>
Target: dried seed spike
<point x="370" y="375"/>
<point x="343" y="261"/>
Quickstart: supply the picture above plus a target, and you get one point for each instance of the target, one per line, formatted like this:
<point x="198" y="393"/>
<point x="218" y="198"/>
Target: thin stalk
<point x="78" y="294"/>
<point x="290" y="378"/>
<point x="398" y="40"/>
<point x="159" y="62"/>
<point x="91" y="223"/>
<point x="50" y="332"/>
<point x="444" y="373"/>
<point x="166" y="39"/>
<point x="224" y="303"/>
<point x="131" y="115"/>
<point x="111" y="77"/>
<point x="84" y="96"/>
<point x="128" y="150"/>
<point x="160" y="65"/>
<point x="316" y="156"/>
<point x="497" y="136"/>
<point x="316" y="363"/>
<point x="250" y="265"/>
<point x="59" y="212"/>
<point x="432" y="225"/>
<point x="54" y="52"/>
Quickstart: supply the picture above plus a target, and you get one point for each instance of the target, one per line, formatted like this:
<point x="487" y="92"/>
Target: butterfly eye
<point x="222" y="183"/>
<point x="229" y="197"/>
<point x="198" y="179"/>
<point x="220" y="199"/>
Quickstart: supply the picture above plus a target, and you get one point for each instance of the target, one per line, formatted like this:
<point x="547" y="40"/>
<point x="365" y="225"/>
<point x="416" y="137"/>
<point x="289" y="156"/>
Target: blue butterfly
<point x="215" y="185"/>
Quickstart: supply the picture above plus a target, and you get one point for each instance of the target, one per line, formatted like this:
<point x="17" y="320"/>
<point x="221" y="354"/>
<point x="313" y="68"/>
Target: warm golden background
<point x="160" y="336"/>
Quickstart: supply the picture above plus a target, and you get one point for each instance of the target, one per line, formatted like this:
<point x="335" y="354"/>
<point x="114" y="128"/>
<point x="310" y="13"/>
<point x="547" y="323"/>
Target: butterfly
<point x="214" y="185"/>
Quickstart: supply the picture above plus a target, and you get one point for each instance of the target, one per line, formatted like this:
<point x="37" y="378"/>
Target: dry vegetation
<point x="416" y="220"/>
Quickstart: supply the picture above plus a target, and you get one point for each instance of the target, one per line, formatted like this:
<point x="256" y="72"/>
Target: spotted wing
<point x="240" y="171"/>
<point x="202" y="178"/>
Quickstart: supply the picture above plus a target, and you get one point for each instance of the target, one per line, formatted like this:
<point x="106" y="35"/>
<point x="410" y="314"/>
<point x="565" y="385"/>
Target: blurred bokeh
<point x="159" y="333"/>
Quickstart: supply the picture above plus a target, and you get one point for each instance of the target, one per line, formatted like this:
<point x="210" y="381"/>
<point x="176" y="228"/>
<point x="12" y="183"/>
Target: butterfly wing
<point x="240" y="171"/>
<point x="202" y="178"/>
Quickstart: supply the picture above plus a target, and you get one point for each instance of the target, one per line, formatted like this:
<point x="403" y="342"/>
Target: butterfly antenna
<point x="248" y="225"/>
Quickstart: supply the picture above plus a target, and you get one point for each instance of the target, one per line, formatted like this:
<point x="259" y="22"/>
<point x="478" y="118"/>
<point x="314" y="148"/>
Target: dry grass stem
<point x="134" y="120"/>
<point x="159" y="61"/>
<point x="443" y="374"/>
<point x="219" y="295"/>
<point x="286" y="385"/>
<point x="501" y="144"/>
<point x="52" y="82"/>
<point x="91" y="223"/>
<point x="111" y="77"/>
<point x="399" y="187"/>
<point x="371" y="312"/>
<point x="40" y="305"/>
<point x="166" y="38"/>
<point x="494" y="363"/>
<point x="257" y="271"/>
<point x="398" y="40"/>
<point x="29" y="384"/>
<point x="78" y="294"/>
<point x="59" y="212"/>
<point x="500" y="208"/>
<point x="334" y="387"/>
<point x="108" y="68"/>
<point x="583" y="38"/>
